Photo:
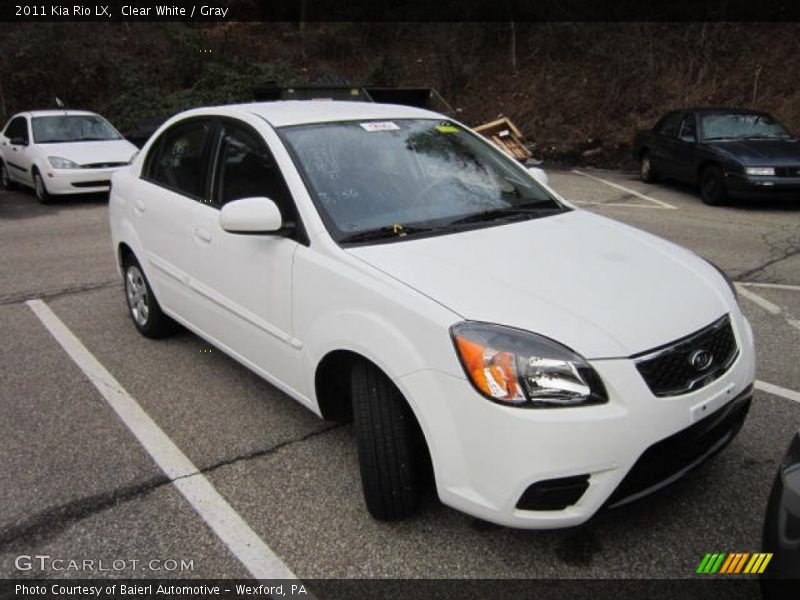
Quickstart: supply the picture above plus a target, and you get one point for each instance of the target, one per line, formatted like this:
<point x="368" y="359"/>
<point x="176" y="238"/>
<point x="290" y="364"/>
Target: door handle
<point x="138" y="207"/>
<point x="202" y="234"/>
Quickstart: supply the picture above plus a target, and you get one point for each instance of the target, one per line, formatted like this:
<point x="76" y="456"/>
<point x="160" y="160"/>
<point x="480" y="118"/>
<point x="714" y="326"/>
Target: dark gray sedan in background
<point x="728" y="152"/>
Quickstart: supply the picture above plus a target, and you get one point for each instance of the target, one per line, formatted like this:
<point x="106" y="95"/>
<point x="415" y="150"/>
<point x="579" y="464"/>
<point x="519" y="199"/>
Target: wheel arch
<point x="124" y="251"/>
<point x="332" y="381"/>
<point x="706" y="163"/>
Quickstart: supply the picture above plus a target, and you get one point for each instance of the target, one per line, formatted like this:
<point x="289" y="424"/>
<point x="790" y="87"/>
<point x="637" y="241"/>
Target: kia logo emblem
<point x="701" y="359"/>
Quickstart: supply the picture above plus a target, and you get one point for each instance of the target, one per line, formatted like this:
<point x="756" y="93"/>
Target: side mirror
<point x="689" y="139"/>
<point x="539" y="175"/>
<point x="18" y="141"/>
<point x="251" y="216"/>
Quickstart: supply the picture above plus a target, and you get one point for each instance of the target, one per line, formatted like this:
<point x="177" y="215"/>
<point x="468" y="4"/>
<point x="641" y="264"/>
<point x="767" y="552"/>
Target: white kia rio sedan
<point x="386" y="264"/>
<point x="60" y="152"/>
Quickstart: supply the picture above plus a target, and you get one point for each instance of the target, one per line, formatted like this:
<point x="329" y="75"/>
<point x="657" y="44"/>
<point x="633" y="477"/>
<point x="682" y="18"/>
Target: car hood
<point x="602" y="288"/>
<point x="778" y="153"/>
<point x="85" y="153"/>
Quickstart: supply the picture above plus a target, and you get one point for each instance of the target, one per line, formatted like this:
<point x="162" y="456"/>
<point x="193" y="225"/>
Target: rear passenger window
<point x="179" y="158"/>
<point x="246" y="169"/>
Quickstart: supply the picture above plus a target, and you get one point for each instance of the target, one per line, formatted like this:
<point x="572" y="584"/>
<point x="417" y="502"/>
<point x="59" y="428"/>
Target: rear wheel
<point x="5" y="180"/>
<point x="391" y="449"/>
<point x="143" y="307"/>
<point x="40" y="189"/>
<point x="712" y="186"/>
<point x="646" y="170"/>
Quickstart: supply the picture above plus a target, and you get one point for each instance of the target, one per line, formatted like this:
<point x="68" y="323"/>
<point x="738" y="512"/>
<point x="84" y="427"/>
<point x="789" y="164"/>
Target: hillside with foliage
<point x="577" y="90"/>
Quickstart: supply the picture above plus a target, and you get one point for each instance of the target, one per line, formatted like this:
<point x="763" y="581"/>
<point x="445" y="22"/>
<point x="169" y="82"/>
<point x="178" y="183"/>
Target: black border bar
<point x="398" y="10"/>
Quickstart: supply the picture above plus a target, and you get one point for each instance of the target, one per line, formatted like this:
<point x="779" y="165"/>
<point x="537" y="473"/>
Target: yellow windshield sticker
<point x="444" y="128"/>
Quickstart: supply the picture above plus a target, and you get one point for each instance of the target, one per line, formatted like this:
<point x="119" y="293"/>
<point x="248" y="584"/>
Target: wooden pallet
<point x="507" y="136"/>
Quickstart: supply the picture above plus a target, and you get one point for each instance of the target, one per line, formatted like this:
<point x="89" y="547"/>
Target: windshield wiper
<point x="503" y="213"/>
<point x="383" y="233"/>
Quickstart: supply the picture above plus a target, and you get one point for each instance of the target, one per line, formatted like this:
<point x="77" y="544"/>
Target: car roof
<point x="283" y="113"/>
<point x="56" y="112"/>
<point x="723" y="109"/>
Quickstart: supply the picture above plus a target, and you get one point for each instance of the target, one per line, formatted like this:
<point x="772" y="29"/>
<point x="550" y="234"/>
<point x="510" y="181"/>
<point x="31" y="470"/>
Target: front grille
<point x="787" y="171"/>
<point x="88" y="184"/>
<point x="678" y="368"/>
<point x="104" y="165"/>
<point x="668" y="460"/>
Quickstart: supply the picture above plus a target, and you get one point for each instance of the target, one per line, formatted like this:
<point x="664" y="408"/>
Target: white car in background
<point x="386" y="264"/>
<point x="60" y="152"/>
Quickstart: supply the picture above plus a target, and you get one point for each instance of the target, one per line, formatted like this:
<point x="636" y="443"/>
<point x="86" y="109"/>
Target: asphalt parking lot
<point x="78" y="485"/>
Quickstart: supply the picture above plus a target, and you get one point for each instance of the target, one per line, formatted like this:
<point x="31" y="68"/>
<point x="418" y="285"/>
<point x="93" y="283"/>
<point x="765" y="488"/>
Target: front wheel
<point x="391" y="449"/>
<point x="42" y="195"/>
<point x="712" y="186"/>
<point x="143" y="307"/>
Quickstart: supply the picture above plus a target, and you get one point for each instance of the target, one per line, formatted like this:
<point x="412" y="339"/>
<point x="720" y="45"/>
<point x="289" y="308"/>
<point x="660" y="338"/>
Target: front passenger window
<point x="247" y="169"/>
<point x="17" y="128"/>
<point x="688" y="129"/>
<point x="180" y="159"/>
<point x="671" y="125"/>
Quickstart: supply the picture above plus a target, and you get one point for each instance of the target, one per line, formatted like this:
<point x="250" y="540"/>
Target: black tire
<point x="391" y="449"/>
<point x="712" y="186"/>
<point x="646" y="171"/>
<point x="40" y="189"/>
<point x="5" y="180"/>
<point x="143" y="308"/>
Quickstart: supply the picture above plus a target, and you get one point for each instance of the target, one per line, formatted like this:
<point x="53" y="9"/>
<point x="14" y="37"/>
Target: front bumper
<point x="486" y="456"/>
<point x="740" y="185"/>
<point x="78" y="181"/>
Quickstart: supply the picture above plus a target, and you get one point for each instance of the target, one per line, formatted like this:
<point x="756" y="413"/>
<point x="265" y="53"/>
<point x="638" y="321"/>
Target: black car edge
<point x="782" y="529"/>
<point x="729" y="153"/>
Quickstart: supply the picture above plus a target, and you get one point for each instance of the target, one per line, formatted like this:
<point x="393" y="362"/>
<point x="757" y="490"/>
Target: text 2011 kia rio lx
<point x="387" y="264"/>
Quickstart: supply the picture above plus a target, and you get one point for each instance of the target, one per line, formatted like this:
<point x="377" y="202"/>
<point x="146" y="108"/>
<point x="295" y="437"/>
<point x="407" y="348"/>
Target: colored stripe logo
<point x="734" y="563"/>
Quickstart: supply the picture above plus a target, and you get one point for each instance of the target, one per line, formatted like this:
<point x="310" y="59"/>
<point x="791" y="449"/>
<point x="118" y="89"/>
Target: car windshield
<point x="384" y="179"/>
<point x="719" y="126"/>
<point x="72" y="128"/>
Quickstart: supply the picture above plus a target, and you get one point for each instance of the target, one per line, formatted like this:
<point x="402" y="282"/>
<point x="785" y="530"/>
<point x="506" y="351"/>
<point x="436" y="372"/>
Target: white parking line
<point x="777" y="390"/>
<point x="768" y="306"/>
<point x="615" y="204"/>
<point x="660" y="203"/>
<point x="772" y="286"/>
<point x="761" y="301"/>
<point x="241" y="540"/>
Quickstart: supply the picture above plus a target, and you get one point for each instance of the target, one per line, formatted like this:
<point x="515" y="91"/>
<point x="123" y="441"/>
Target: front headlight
<point x="518" y="368"/>
<point x="62" y="163"/>
<point x="769" y="171"/>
